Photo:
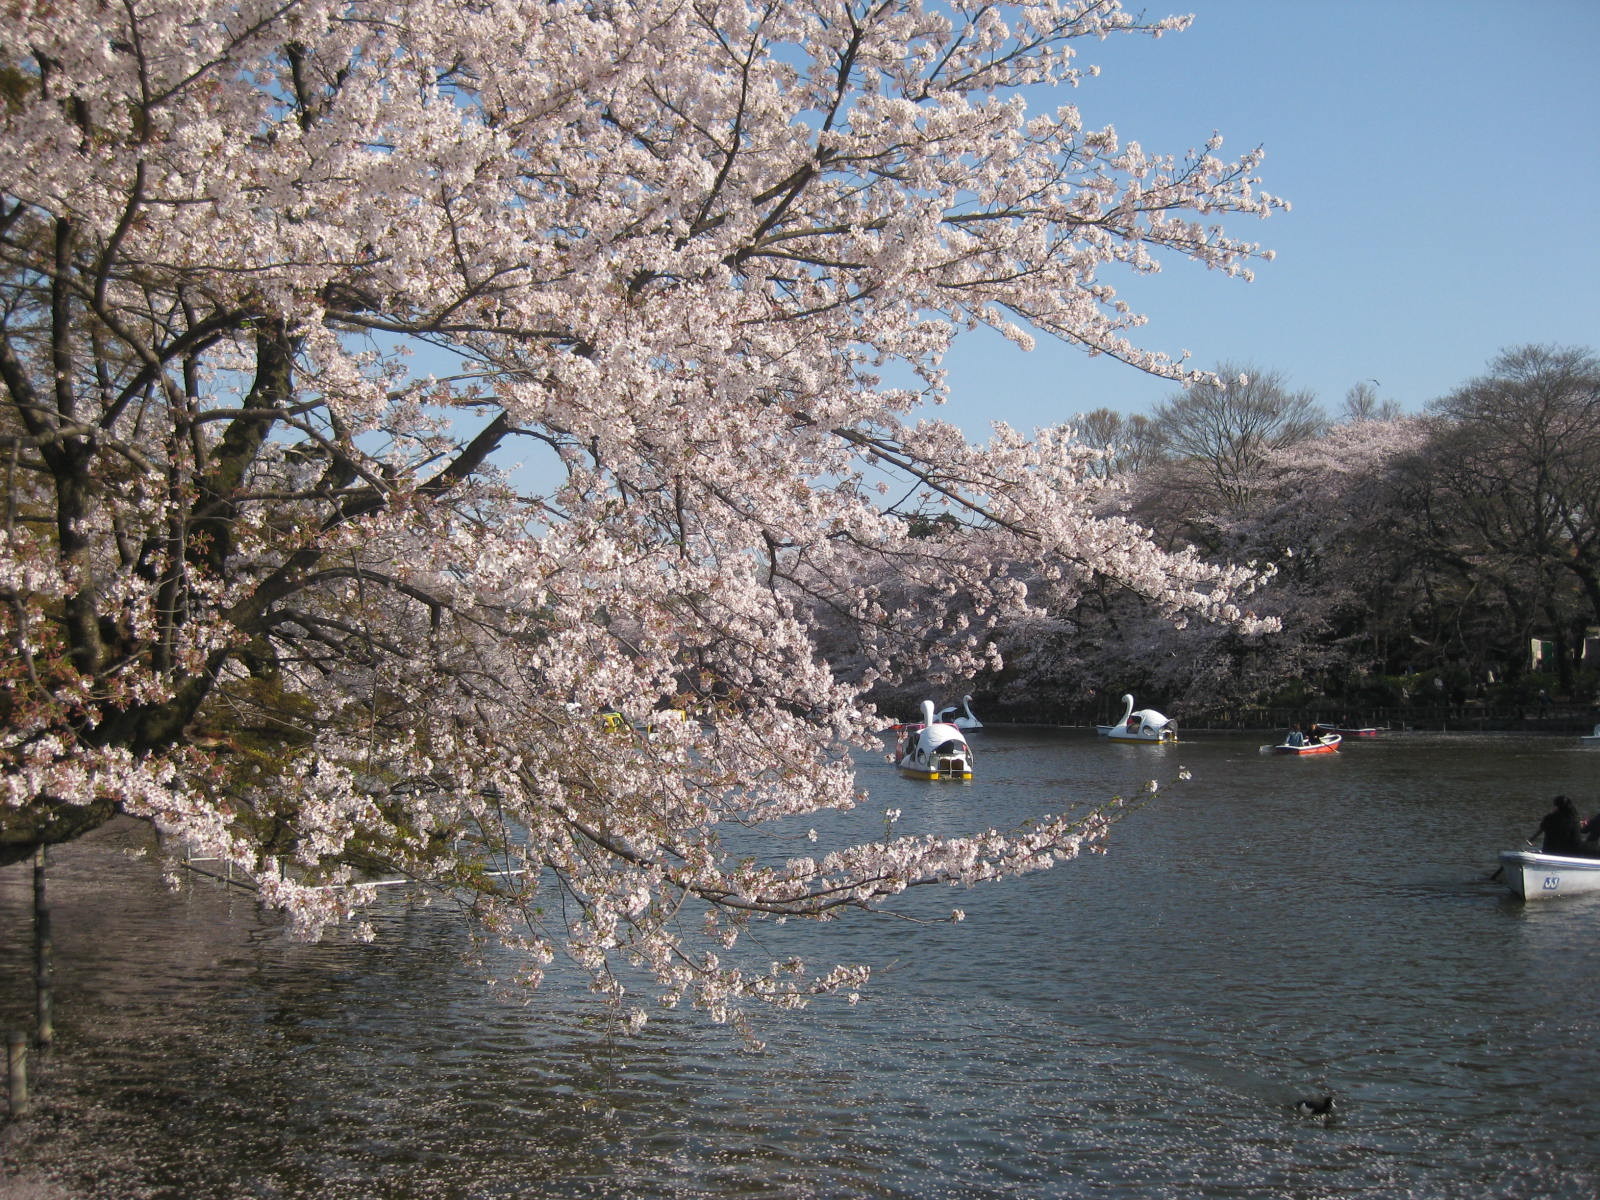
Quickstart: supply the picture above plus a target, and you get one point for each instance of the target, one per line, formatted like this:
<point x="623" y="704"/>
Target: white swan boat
<point x="1146" y="725"/>
<point x="1532" y="875"/>
<point x="932" y="749"/>
<point x="961" y="718"/>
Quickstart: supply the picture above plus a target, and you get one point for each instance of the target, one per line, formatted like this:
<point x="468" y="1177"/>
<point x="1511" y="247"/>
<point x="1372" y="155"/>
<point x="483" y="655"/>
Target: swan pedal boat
<point x="961" y="718"/>
<point x="1146" y="725"/>
<point x="1325" y="745"/>
<point x="933" y="749"/>
<point x="1532" y="875"/>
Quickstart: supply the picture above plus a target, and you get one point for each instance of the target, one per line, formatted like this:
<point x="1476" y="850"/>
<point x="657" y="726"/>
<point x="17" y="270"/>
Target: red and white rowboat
<point x="1325" y="745"/>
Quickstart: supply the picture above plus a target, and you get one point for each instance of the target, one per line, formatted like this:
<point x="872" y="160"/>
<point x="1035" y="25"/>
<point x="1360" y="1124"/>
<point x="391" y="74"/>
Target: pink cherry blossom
<point x="446" y="440"/>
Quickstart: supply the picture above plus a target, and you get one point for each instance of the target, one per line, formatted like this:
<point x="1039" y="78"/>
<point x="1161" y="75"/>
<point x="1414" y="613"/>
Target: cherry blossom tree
<point x="1329" y="520"/>
<point x="399" y="398"/>
<point x="1332" y="519"/>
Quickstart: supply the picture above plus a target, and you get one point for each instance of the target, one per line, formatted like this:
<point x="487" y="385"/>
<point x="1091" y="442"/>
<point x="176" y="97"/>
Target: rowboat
<point x="1534" y="876"/>
<point x="1366" y="731"/>
<point x="1323" y="745"/>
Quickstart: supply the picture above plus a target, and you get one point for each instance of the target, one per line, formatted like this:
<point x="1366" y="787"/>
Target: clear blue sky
<point x="1443" y="162"/>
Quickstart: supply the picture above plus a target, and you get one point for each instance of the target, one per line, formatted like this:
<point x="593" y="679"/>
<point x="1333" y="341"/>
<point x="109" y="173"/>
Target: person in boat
<point x="1591" y="836"/>
<point x="1562" y="832"/>
<point x="1316" y="733"/>
<point x="1296" y="736"/>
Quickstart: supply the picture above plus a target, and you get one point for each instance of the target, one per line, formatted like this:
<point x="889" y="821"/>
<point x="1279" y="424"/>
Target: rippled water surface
<point x="1133" y="1025"/>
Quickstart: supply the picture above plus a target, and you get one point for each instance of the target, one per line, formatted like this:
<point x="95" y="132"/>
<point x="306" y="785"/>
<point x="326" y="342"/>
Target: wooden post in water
<point x="17" y="1073"/>
<point x="42" y="954"/>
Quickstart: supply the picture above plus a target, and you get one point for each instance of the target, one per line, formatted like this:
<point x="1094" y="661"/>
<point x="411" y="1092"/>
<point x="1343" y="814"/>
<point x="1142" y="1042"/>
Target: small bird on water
<point x="1316" y="1106"/>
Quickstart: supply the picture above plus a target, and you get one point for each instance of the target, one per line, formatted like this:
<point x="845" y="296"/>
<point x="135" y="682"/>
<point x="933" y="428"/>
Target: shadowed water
<point x="1132" y="1025"/>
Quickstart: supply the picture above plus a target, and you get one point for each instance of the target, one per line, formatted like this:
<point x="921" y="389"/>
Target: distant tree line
<point x="1414" y="556"/>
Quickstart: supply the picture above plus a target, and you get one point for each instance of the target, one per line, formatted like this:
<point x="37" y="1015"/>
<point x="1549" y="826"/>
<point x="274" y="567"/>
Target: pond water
<point x="1137" y="1024"/>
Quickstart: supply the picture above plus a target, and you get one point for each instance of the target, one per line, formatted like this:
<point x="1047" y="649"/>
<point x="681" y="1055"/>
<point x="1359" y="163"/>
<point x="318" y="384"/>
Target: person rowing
<point x="1561" y="829"/>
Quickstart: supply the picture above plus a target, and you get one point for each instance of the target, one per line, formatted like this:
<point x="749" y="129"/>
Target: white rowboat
<point x="1535" y="876"/>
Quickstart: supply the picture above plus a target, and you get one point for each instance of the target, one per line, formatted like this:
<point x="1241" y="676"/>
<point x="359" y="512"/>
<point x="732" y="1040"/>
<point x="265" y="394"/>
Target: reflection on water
<point x="1133" y="1025"/>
